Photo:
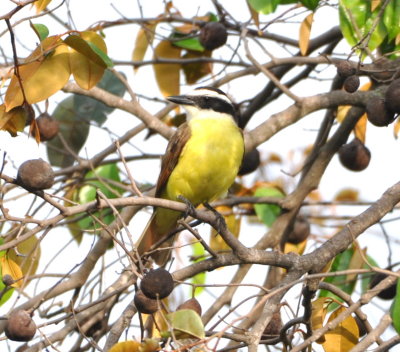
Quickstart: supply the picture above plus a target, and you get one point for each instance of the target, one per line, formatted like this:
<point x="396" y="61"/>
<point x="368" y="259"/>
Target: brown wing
<point x="171" y="156"/>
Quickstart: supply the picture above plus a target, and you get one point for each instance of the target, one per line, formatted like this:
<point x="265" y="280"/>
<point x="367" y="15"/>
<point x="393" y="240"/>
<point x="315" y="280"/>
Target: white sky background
<point x="382" y="172"/>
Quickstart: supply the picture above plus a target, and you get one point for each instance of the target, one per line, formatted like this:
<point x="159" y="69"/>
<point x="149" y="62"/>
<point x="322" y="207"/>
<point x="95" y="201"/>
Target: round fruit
<point x="345" y="69"/>
<point x="48" y="127"/>
<point x="392" y="97"/>
<point x="20" y="326"/>
<point x="387" y="293"/>
<point x="355" y="155"/>
<point x="35" y="174"/>
<point x="274" y="326"/>
<point x="145" y="304"/>
<point x="301" y="230"/>
<point x="213" y="35"/>
<point x="250" y="163"/>
<point x="192" y="304"/>
<point x="8" y="280"/>
<point x="377" y="113"/>
<point x="351" y="83"/>
<point x="157" y="283"/>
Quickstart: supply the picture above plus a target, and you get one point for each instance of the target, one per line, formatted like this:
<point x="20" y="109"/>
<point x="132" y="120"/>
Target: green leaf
<point x="379" y="33"/>
<point x="200" y="278"/>
<point x="189" y="44"/>
<point x="106" y="59"/>
<point x="73" y="129"/>
<point x="310" y="4"/>
<point x="94" y="110"/>
<point x="88" y="49"/>
<point x="264" y="6"/>
<point x="366" y="278"/>
<point x="41" y="30"/>
<point x="99" y="179"/>
<point x="391" y="19"/>
<point x="268" y="213"/>
<point x="186" y="322"/>
<point x="341" y="262"/>
<point x="395" y="309"/>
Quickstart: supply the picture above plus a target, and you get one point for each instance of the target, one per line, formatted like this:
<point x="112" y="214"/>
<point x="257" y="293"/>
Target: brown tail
<point x="152" y="235"/>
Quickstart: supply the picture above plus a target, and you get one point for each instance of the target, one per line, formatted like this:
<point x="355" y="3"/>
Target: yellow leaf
<point x="344" y="336"/>
<point x="396" y="128"/>
<point x="361" y="128"/>
<point x="41" y="5"/>
<point x="12" y="121"/>
<point x="28" y="255"/>
<point x="347" y="195"/>
<point x="397" y="40"/>
<point x="375" y="4"/>
<point x="318" y="313"/>
<point x="40" y="78"/>
<point x="295" y="248"/>
<point x="9" y="267"/>
<point x="125" y="346"/>
<point x="144" y="37"/>
<point x="194" y="71"/>
<point x="305" y="31"/>
<point x="233" y="223"/>
<point x="86" y="73"/>
<point x="342" y="111"/>
<point x="167" y="75"/>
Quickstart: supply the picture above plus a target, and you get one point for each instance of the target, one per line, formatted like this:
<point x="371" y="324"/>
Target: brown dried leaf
<point x="167" y="75"/>
<point x="144" y="38"/>
<point x="305" y="31"/>
<point x="46" y="72"/>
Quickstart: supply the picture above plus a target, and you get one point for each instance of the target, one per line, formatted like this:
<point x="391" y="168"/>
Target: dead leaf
<point x="305" y="31"/>
<point x="167" y="75"/>
<point x="144" y="38"/>
<point x="9" y="267"/>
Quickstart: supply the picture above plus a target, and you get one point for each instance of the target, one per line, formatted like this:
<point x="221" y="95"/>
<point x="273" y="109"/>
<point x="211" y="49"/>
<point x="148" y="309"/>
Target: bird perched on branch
<point x="200" y="164"/>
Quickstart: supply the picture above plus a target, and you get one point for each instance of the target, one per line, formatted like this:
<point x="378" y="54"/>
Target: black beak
<point x="181" y="100"/>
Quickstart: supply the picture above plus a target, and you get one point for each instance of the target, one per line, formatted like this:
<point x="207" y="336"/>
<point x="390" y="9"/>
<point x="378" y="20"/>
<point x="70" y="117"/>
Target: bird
<point x="201" y="162"/>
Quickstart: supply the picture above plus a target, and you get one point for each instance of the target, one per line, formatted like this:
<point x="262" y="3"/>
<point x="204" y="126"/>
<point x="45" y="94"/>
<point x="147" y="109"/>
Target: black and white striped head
<point x="203" y="101"/>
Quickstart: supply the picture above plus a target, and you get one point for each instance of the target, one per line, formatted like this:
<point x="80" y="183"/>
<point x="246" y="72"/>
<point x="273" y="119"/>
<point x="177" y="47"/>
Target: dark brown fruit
<point x="387" y="293"/>
<point x="355" y="155"/>
<point x="35" y="174"/>
<point x="377" y="113"/>
<point x="274" y="326"/>
<point x="48" y="127"/>
<point x="145" y="304"/>
<point x="345" y="69"/>
<point x="392" y="97"/>
<point x="157" y="283"/>
<point x="250" y="163"/>
<point x="213" y="35"/>
<point x="20" y="326"/>
<point x="8" y="280"/>
<point x="192" y="304"/>
<point x="301" y="230"/>
<point x="351" y="83"/>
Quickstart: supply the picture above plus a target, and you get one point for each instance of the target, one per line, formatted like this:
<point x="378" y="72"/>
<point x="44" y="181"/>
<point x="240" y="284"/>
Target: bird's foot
<point x="220" y="221"/>
<point x="190" y="208"/>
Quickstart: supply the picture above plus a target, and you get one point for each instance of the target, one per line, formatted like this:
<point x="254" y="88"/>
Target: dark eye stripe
<point x="214" y="103"/>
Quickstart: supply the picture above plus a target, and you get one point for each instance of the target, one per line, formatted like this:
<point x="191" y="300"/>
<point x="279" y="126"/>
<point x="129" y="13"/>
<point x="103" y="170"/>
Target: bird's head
<point x="203" y="101"/>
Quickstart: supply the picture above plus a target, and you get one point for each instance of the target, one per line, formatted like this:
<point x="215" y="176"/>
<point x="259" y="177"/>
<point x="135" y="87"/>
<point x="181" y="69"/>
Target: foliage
<point x="285" y="70"/>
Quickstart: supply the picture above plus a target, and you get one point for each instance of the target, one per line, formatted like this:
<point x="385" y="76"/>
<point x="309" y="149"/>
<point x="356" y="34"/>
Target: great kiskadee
<point x="200" y="164"/>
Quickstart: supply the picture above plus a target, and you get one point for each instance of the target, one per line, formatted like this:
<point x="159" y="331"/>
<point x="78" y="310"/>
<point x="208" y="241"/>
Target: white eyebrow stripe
<point x="210" y="93"/>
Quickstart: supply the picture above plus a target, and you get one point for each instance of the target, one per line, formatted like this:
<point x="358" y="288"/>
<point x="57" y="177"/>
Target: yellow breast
<point x="209" y="162"/>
